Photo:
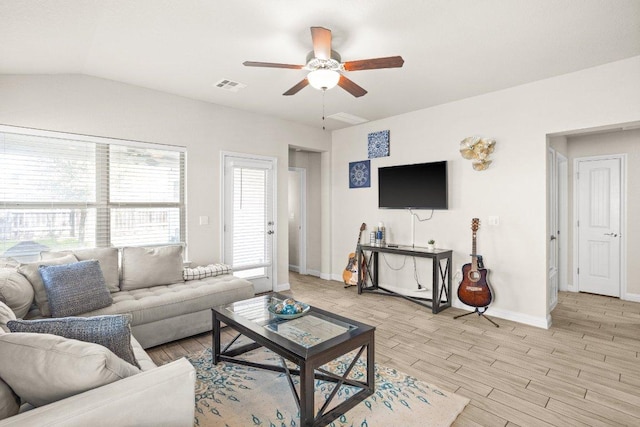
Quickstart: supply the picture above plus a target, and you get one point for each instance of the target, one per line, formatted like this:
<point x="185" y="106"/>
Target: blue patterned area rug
<point x="240" y="396"/>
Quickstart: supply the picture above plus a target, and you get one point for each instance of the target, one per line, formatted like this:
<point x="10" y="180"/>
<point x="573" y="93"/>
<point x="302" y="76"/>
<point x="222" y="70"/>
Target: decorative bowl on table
<point x="288" y="309"/>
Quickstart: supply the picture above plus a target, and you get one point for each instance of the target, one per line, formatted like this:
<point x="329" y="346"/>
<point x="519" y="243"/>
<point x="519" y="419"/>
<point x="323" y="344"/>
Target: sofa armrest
<point x="164" y="396"/>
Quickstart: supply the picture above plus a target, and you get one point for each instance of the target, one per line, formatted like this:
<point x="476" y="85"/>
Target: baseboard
<point x="325" y="276"/>
<point x="336" y="277"/>
<point x="295" y="268"/>
<point x="315" y="273"/>
<point x="538" y="322"/>
<point x="631" y="297"/>
<point x="281" y="287"/>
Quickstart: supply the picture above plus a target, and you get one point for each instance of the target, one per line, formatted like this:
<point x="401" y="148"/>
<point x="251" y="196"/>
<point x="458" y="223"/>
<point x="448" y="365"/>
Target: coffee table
<point x="309" y="341"/>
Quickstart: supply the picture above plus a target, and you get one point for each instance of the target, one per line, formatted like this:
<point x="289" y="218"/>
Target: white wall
<point x="88" y="105"/>
<point x="513" y="188"/>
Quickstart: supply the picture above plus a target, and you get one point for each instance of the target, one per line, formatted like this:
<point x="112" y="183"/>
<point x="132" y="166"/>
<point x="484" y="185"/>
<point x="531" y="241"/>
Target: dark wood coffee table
<point x="325" y="337"/>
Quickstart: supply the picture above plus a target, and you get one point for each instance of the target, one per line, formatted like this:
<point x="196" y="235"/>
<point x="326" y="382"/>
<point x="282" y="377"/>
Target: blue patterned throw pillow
<point x="111" y="331"/>
<point x="75" y="288"/>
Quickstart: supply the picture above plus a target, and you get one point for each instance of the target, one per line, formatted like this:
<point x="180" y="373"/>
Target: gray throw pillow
<point x="107" y="257"/>
<point x="31" y="272"/>
<point x="110" y="331"/>
<point x="75" y="288"/>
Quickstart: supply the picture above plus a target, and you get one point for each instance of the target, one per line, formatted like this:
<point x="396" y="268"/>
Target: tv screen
<point x="419" y="186"/>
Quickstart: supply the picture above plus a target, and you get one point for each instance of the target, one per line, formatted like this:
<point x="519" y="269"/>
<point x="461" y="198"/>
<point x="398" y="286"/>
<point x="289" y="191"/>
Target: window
<point x="61" y="191"/>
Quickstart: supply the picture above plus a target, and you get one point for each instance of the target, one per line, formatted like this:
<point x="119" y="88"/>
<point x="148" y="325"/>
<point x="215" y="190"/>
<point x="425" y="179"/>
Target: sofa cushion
<point x="31" y="272"/>
<point x="112" y="332"/>
<point x="6" y="314"/>
<point x="44" y="368"/>
<point x="75" y="288"/>
<point x="9" y="401"/>
<point x="152" y="266"/>
<point x="107" y="257"/>
<point x="15" y="291"/>
<point x="163" y="302"/>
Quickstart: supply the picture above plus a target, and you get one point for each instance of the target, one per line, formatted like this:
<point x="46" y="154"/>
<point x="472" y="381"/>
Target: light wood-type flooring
<point x="584" y="370"/>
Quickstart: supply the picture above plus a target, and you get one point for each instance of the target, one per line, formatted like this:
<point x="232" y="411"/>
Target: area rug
<point x="235" y="395"/>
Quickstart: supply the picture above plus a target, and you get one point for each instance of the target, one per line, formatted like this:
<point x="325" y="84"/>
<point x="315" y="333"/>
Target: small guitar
<point x="350" y="274"/>
<point x="474" y="289"/>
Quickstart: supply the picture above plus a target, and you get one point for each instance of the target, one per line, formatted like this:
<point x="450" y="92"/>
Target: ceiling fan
<point x="325" y="66"/>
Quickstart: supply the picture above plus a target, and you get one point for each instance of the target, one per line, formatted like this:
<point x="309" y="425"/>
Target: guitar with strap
<point x="350" y="274"/>
<point x="474" y="289"/>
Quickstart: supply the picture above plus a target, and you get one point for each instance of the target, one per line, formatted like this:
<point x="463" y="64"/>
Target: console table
<point x="441" y="277"/>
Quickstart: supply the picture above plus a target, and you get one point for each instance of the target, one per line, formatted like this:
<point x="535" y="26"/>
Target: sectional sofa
<point x="148" y="286"/>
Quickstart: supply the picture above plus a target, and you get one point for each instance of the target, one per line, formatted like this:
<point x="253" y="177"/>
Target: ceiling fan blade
<point x="321" y="42"/>
<point x="372" y="64"/>
<point x="351" y="87"/>
<point x="271" y="65"/>
<point x="297" y="88"/>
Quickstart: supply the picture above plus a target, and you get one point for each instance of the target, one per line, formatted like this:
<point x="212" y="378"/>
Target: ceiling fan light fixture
<point x="323" y="79"/>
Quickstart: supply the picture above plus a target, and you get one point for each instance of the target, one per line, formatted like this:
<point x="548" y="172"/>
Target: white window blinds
<point x="61" y="191"/>
<point x="250" y="217"/>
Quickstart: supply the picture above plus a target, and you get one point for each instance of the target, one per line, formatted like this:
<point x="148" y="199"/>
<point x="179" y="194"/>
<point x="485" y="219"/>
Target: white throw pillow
<point x="9" y="402"/>
<point x="43" y="368"/>
<point x="15" y="291"/>
<point x="152" y="266"/>
<point x="202" y="272"/>
<point x="6" y="314"/>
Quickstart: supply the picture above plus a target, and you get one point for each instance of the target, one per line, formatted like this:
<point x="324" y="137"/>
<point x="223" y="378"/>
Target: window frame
<point x="103" y="204"/>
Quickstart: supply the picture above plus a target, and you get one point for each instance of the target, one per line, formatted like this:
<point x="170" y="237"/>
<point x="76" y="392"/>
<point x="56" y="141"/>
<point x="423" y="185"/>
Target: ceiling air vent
<point x="348" y="118"/>
<point x="230" y="85"/>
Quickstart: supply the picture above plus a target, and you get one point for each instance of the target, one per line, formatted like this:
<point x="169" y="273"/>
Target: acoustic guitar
<point x="474" y="289"/>
<point x="350" y="274"/>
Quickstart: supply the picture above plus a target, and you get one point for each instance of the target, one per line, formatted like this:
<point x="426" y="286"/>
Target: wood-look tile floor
<point x="584" y="370"/>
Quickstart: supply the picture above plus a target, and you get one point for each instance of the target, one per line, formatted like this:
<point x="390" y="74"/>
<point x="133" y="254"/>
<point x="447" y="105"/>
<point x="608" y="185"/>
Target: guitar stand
<point x="480" y="313"/>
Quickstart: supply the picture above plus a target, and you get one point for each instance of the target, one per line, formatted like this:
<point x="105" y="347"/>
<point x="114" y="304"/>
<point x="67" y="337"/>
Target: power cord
<point x="404" y="261"/>
<point x="421" y="219"/>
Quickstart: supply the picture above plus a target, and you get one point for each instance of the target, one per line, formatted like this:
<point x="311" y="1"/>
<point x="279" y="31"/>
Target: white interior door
<point x="599" y="208"/>
<point x="248" y="218"/>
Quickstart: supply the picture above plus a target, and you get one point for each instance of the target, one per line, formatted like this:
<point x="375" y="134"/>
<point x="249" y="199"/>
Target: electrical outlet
<point x="204" y="220"/>
<point x="493" y="220"/>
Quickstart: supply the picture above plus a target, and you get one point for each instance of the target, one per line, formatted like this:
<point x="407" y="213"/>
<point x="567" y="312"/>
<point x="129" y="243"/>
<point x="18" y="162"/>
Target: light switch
<point x="204" y="220"/>
<point x="494" y="220"/>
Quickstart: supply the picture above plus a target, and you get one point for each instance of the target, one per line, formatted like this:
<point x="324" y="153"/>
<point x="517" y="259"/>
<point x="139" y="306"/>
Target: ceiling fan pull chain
<point x="323" y="92"/>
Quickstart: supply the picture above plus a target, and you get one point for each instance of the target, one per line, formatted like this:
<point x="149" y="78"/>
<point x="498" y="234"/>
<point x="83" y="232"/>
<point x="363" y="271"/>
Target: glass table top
<point x="308" y="330"/>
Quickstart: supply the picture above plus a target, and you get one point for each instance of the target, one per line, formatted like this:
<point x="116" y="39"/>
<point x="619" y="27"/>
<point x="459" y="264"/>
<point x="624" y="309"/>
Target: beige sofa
<point x="148" y="285"/>
<point x="157" y="396"/>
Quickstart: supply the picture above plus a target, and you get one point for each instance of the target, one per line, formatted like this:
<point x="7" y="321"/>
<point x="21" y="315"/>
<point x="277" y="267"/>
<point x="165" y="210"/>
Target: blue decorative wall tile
<point x="378" y="144"/>
<point x="360" y="174"/>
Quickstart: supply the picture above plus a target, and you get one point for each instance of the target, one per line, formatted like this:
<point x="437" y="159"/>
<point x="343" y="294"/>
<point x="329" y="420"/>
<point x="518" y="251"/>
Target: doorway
<point x="298" y="220"/>
<point x="599" y="203"/>
<point x="248" y="223"/>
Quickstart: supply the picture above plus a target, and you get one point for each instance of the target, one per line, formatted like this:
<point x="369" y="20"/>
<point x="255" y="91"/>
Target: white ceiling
<point x="453" y="49"/>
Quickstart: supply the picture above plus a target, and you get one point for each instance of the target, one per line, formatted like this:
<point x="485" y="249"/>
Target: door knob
<point x="270" y="232"/>
<point x="611" y="234"/>
<point x="553" y="237"/>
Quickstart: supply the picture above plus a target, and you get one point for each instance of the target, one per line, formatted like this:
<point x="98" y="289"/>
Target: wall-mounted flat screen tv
<point x="418" y="186"/>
